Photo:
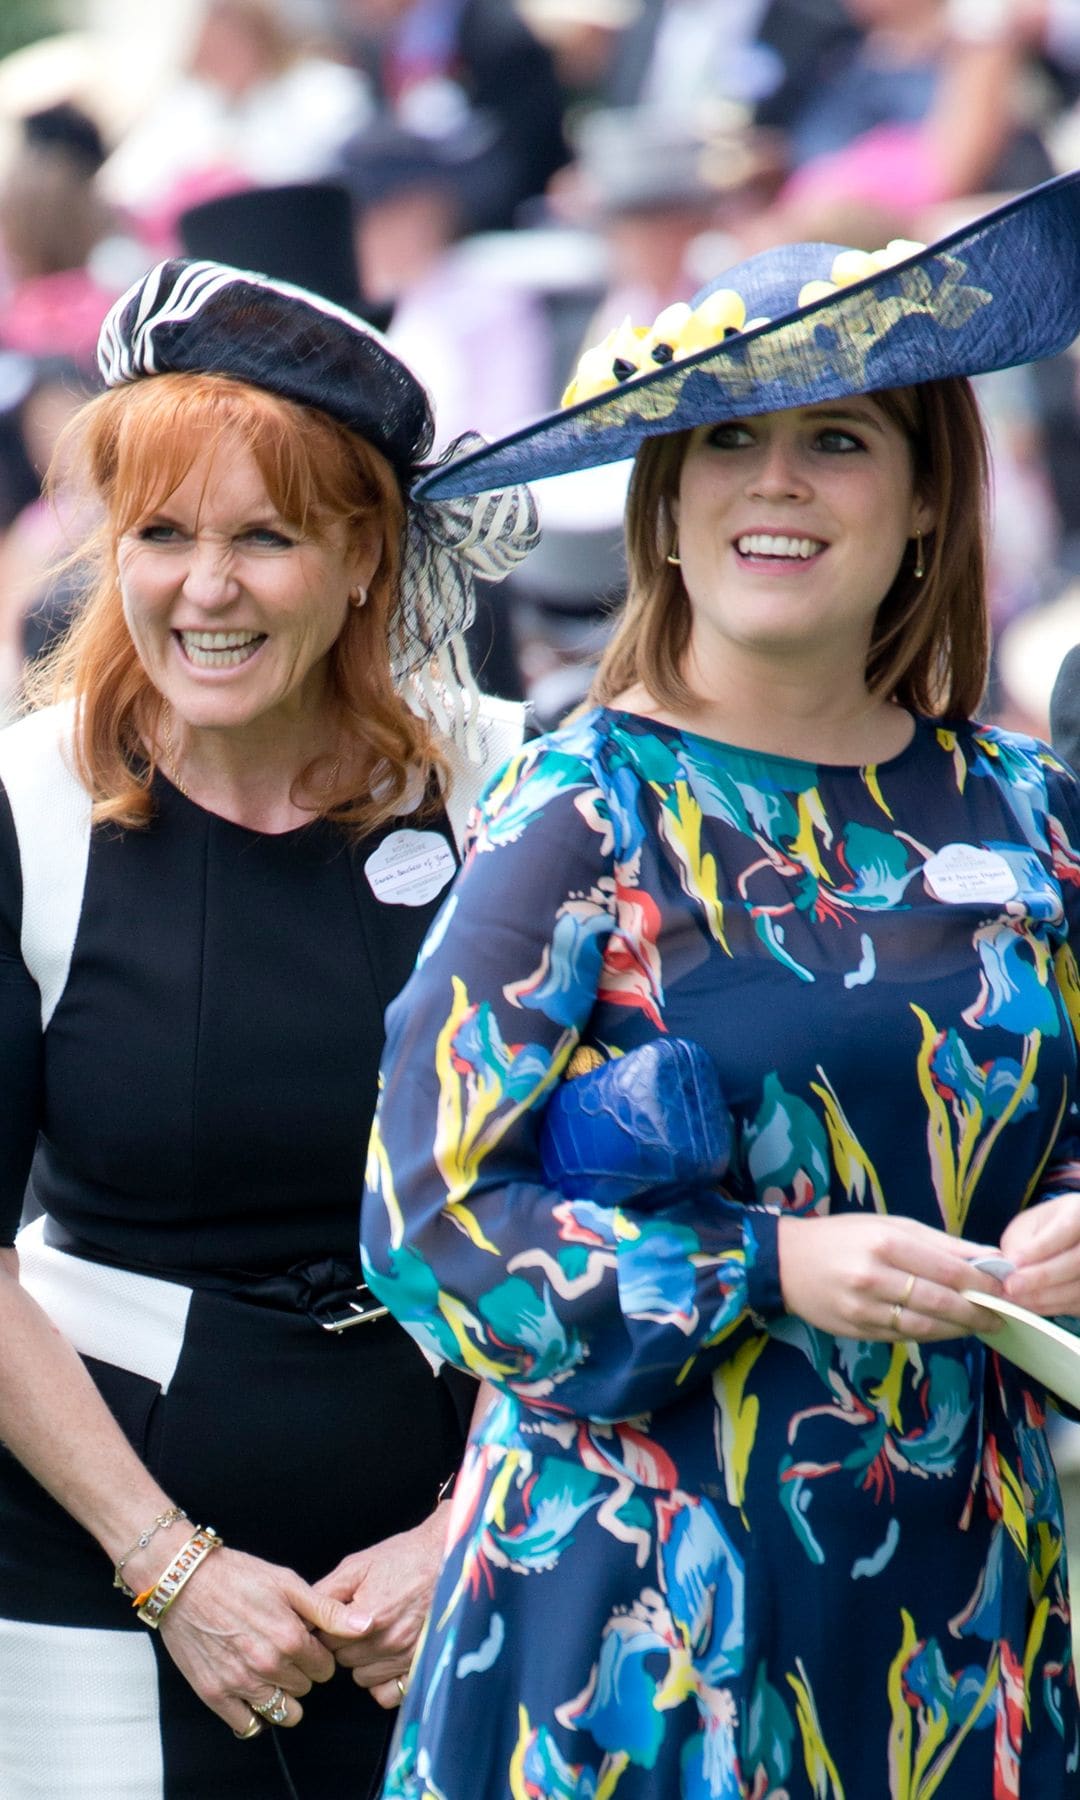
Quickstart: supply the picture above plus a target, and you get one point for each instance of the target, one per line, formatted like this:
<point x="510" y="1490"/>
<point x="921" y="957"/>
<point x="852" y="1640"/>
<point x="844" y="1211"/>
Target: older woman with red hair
<point x="220" y="843"/>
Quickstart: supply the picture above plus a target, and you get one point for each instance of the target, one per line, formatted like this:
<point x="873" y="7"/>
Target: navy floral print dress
<point x="701" y="1548"/>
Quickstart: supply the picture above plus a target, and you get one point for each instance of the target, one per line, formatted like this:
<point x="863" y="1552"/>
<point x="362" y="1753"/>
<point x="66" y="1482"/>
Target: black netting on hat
<point x="206" y="318"/>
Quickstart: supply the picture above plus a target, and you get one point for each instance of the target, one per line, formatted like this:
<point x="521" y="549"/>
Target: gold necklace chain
<point x="169" y="758"/>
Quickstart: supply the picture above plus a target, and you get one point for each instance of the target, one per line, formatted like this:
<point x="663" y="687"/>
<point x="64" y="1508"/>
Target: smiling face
<point x="232" y="608"/>
<point x="792" y="527"/>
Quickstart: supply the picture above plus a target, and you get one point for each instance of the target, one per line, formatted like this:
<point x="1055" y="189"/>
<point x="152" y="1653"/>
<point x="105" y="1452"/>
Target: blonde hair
<point x="132" y="447"/>
<point x="931" y="645"/>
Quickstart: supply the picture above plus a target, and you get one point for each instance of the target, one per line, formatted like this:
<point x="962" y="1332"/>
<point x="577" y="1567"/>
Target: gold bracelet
<point x="157" y="1600"/>
<point x="166" y="1518"/>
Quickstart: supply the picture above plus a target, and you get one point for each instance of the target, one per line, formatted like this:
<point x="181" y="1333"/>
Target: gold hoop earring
<point x="673" y="556"/>
<point x="920" y="566"/>
<point x="358" y="597"/>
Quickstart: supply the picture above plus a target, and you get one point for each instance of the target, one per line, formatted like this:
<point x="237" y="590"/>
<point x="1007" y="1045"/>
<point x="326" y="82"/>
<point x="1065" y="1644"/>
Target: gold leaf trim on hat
<point x="856" y="325"/>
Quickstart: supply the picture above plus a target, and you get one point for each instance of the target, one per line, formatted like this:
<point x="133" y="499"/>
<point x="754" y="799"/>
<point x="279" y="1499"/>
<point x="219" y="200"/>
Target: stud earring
<point x="358" y="597"/>
<point x="920" y="566"/>
<point x="673" y="556"/>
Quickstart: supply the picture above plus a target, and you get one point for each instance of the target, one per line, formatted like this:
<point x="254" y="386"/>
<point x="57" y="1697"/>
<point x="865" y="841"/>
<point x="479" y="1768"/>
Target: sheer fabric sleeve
<point x="1062" y="1171"/>
<point x="20" y="1039"/>
<point x="577" y="1308"/>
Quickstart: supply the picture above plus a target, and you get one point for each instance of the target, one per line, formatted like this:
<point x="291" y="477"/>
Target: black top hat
<point x="300" y="233"/>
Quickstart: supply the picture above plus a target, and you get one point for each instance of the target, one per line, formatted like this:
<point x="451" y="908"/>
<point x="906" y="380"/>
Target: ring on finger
<point x="895" y="1312"/>
<point x="402" y="1685"/>
<point x="908" y="1291"/>
<point x="275" y="1710"/>
<point x="250" y="1730"/>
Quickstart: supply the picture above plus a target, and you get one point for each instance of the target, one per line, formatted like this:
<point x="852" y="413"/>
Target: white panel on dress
<point x="133" y="1321"/>
<point x="51" y="809"/>
<point x="78" y="1714"/>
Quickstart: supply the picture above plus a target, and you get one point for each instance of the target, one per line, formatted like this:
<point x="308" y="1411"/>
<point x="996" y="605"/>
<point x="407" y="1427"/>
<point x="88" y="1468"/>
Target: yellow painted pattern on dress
<point x="804" y="846"/>
<point x="739" y="1413"/>
<point x="821" y="1770"/>
<point x="873" y="788"/>
<point x="681" y="828"/>
<point x="886" y="1396"/>
<point x="850" y="1160"/>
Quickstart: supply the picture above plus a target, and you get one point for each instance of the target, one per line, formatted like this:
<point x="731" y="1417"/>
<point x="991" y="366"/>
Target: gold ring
<point x="894" y="1314"/>
<point x="251" y="1730"/>
<point x="275" y="1710"/>
<point x="908" y="1291"/>
<point x="402" y="1685"/>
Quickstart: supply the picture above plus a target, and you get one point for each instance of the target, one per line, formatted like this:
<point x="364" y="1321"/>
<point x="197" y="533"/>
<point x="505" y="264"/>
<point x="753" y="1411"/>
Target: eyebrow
<point x="853" y="414"/>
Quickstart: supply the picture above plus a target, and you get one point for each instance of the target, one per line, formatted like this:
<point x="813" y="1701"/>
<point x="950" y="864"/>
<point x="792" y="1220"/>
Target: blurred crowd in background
<point x="496" y="183"/>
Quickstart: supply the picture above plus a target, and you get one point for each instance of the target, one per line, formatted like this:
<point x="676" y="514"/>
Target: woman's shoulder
<point x="585" y="748"/>
<point x="1029" y="771"/>
<point x="566" y="777"/>
<point x="36" y="756"/>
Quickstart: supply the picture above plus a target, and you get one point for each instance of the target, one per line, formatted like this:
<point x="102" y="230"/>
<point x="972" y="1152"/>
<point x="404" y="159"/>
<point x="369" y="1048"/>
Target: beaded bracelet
<point x="166" y="1518"/>
<point x="157" y="1600"/>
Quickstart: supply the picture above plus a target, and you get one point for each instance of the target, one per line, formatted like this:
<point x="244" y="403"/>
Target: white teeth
<point x="218" y="640"/>
<point x="220" y="649"/>
<point x="760" y="543"/>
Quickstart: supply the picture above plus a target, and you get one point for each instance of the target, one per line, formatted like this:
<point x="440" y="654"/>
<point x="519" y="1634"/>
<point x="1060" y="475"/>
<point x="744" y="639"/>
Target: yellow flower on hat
<point x="850" y="266"/>
<point x="719" y="315"/>
<point x="666" y="328"/>
<point x="815" y="290"/>
<point x="608" y="363"/>
<point x="897" y="250"/>
<point x="680" y="330"/>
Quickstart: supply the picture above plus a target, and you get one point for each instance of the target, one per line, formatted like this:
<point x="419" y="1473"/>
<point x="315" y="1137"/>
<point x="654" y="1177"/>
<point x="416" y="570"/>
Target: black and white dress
<point x="187" y="1079"/>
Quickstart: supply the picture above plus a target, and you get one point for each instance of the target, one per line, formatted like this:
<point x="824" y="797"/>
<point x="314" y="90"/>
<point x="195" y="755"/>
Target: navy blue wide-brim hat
<point x="804" y="323"/>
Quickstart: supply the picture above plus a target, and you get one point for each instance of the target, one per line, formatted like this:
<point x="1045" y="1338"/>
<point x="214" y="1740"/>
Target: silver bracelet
<point x="157" y="1600"/>
<point x="166" y="1518"/>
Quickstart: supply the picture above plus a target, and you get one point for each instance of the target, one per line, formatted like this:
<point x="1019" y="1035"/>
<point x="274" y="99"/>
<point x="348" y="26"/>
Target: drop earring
<point x="920" y="566"/>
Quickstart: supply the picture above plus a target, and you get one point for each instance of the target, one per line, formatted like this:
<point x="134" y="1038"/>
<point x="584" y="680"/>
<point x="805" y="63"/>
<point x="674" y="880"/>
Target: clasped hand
<point x="243" y="1627"/>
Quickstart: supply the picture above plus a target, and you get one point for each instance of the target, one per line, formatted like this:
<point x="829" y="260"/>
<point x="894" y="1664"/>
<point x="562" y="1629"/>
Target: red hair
<point x="132" y="447"/>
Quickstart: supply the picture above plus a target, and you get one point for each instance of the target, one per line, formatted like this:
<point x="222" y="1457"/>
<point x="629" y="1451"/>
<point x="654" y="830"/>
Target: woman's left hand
<point x="392" y="1583"/>
<point x="1044" y="1243"/>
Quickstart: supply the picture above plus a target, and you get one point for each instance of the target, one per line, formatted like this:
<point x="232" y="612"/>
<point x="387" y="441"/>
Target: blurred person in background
<point x="584" y="38"/>
<point x="38" y="593"/>
<point x="924" y="108"/>
<point x="53" y="218"/>
<point x="256" y="104"/>
<point x="478" y="342"/>
<point x="436" y="63"/>
<point x="767" y="56"/>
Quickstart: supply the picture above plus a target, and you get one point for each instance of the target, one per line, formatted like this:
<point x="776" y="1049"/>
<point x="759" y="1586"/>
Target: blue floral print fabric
<point x="701" y="1548"/>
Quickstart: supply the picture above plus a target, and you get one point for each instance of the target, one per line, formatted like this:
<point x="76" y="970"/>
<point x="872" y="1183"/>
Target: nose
<point x="209" y="580"/>
<point x="779" y="471"/>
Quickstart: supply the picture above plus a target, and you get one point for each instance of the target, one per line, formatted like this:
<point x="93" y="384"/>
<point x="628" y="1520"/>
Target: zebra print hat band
<point x="189" y="317"/>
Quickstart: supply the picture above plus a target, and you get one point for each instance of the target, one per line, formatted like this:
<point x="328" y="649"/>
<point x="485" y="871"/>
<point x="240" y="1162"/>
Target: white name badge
<point x="410" y="867"/>
<point x="966" y="872"/>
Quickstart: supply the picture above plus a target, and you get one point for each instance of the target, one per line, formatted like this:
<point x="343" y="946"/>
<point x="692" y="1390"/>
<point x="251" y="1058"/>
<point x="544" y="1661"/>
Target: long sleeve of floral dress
<point x="590" y="1310"/>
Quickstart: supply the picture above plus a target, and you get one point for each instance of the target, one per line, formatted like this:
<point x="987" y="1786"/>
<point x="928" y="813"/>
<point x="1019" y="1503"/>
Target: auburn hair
<point x="930" y="646"/>
<point x="132" y="447"/>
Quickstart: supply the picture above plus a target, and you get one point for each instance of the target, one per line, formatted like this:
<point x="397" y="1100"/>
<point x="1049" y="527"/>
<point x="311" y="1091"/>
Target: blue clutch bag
<point x="646" y="1119"/>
